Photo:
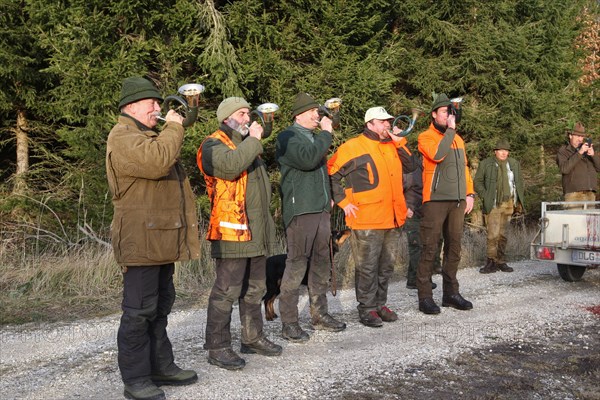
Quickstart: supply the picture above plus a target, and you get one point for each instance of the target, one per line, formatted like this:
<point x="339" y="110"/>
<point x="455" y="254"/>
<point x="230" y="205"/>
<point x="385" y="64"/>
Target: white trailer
<point x="571" y="237"/>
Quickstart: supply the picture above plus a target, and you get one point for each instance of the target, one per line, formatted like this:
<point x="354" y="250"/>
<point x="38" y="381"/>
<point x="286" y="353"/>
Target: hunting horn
<point x="408" y="120"/>
<point x="455" y="108"/>
<point x="189" y="103"/>
<point x="265" y="113"/>
<point x="331" y="109"/>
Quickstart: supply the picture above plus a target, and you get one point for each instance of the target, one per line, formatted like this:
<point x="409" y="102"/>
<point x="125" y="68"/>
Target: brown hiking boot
<point x="262" y="346"/>
<point x="294" y="333"/>
<point x="490" y="267"/>
<point x="371" y="319"/>
<point x="328" y="323"/>
<point x="387" y="315"/>
<point x="226" y="358"/>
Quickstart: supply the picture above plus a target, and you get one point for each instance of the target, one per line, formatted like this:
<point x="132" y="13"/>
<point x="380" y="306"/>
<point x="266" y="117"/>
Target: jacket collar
<point x="438" y="127"/>
<point x="309" y="134"/>
<point x="369" y="134"/>
<point x="234" y="135"/>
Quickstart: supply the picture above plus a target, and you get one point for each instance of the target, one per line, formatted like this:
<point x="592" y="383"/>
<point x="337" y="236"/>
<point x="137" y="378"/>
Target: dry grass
<point x="64" y="281"/>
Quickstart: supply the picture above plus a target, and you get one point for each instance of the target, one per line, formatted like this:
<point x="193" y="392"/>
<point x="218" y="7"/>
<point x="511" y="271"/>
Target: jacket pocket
<point x="370" y="209"/>
<point x="162" y="237"/>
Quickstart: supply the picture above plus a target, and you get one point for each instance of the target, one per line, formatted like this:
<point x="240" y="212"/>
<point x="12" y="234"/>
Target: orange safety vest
<point x="228" y="217"/>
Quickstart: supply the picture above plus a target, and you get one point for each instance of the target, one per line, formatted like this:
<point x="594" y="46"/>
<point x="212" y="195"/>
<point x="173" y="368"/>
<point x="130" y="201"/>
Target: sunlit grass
<point x="63" y="282"/>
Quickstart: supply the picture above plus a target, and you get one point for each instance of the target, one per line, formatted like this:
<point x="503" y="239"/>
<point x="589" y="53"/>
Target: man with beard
<point x="241" y="231"/>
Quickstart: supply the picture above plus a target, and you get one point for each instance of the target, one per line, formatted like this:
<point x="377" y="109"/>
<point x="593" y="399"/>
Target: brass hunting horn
<point x="331" y="110"/>
<point x="189" y="103"/>
<point x="266" y="114"/>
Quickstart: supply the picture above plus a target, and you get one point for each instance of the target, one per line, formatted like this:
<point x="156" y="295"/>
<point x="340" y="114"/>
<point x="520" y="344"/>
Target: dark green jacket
<point x="486" y="178"/>
<point x="220" y="161"/>
<point x="305" y="187"/>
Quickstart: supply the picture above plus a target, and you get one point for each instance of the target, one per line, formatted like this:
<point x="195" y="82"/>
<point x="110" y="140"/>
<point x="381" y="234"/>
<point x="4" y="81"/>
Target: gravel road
<point x="530" y="335"/>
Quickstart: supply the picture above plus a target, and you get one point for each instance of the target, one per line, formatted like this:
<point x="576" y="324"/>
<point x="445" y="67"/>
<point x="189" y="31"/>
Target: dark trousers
<point x="142" y="341"/>
<point x="440" y="218"/>
<point x="412" y="227"/>
<point x="308" y="239"/>
<point x="374" y="252"/>
<point x="242" y="279"/>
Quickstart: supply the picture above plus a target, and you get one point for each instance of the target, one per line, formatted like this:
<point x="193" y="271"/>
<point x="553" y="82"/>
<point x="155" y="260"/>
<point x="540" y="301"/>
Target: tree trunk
<point x="543" y="170"/>
<point x="20" y="186"/>
<point x="476" y="216"/>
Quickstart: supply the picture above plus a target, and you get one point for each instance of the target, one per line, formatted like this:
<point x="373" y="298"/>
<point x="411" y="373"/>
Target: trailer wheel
<point x="570" y="273"/>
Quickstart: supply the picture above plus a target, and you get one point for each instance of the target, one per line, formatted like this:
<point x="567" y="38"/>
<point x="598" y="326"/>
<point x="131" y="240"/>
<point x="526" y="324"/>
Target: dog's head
<point x="338" y="238"/>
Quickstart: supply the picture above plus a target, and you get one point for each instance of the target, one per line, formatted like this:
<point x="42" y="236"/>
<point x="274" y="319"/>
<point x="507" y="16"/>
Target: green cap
<point x="502" y="144"/>
<point x="302" y="103"/>
<point x="440" y="101"/>
<point x="137" y="88"/>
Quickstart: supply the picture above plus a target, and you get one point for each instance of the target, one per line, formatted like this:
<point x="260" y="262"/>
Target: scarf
<point x="502" y="183"/>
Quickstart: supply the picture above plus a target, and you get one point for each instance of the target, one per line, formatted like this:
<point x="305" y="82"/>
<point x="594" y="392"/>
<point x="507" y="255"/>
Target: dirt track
<point x="530" y="336"/>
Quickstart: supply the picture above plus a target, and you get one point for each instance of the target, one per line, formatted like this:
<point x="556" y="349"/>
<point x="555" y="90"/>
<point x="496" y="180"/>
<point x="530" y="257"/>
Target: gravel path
<point x="527" y="307"/>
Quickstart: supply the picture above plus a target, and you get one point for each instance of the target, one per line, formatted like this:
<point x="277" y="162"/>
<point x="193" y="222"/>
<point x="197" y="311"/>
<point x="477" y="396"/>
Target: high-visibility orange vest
<point x="228" y="217"/>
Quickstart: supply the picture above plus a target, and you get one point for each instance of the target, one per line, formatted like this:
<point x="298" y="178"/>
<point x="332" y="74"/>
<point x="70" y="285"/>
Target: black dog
<point x="276" y="267"/>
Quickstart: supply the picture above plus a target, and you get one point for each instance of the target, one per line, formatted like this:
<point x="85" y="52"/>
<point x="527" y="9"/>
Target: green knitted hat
<point x="229" y="106"/>
<point x="137" y="88"/>
<point x="303" y="102"/>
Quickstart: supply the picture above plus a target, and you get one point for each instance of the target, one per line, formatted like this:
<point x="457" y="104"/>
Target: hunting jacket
<point x="372" y="171"/>
<point x="446" y="175"/>
<point x="305" y="187"/>
<point x="486" y="178"/>
<point x="155" y="220"/>
<point x="579" y="172"/>
<point x="241" y="225"/>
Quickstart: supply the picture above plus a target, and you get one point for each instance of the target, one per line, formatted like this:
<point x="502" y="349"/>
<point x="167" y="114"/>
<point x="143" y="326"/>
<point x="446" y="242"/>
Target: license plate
<point x="585" y="256"/>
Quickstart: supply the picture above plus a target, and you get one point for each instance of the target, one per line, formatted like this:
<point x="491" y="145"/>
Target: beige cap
<point x="229" y="106"/>
<point x="377" y="113"/>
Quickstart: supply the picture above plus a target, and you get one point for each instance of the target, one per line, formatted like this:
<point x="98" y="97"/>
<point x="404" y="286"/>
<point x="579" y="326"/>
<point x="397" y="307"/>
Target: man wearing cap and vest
<point x="241" y="231"/>
<point x="499" y="184"/>
<point x="447" y="196"/>
<point x="306" y="202"/>
<point x="154" y="225"/>
<point x="366" y="179"/>
<point x="579" y="166"/>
